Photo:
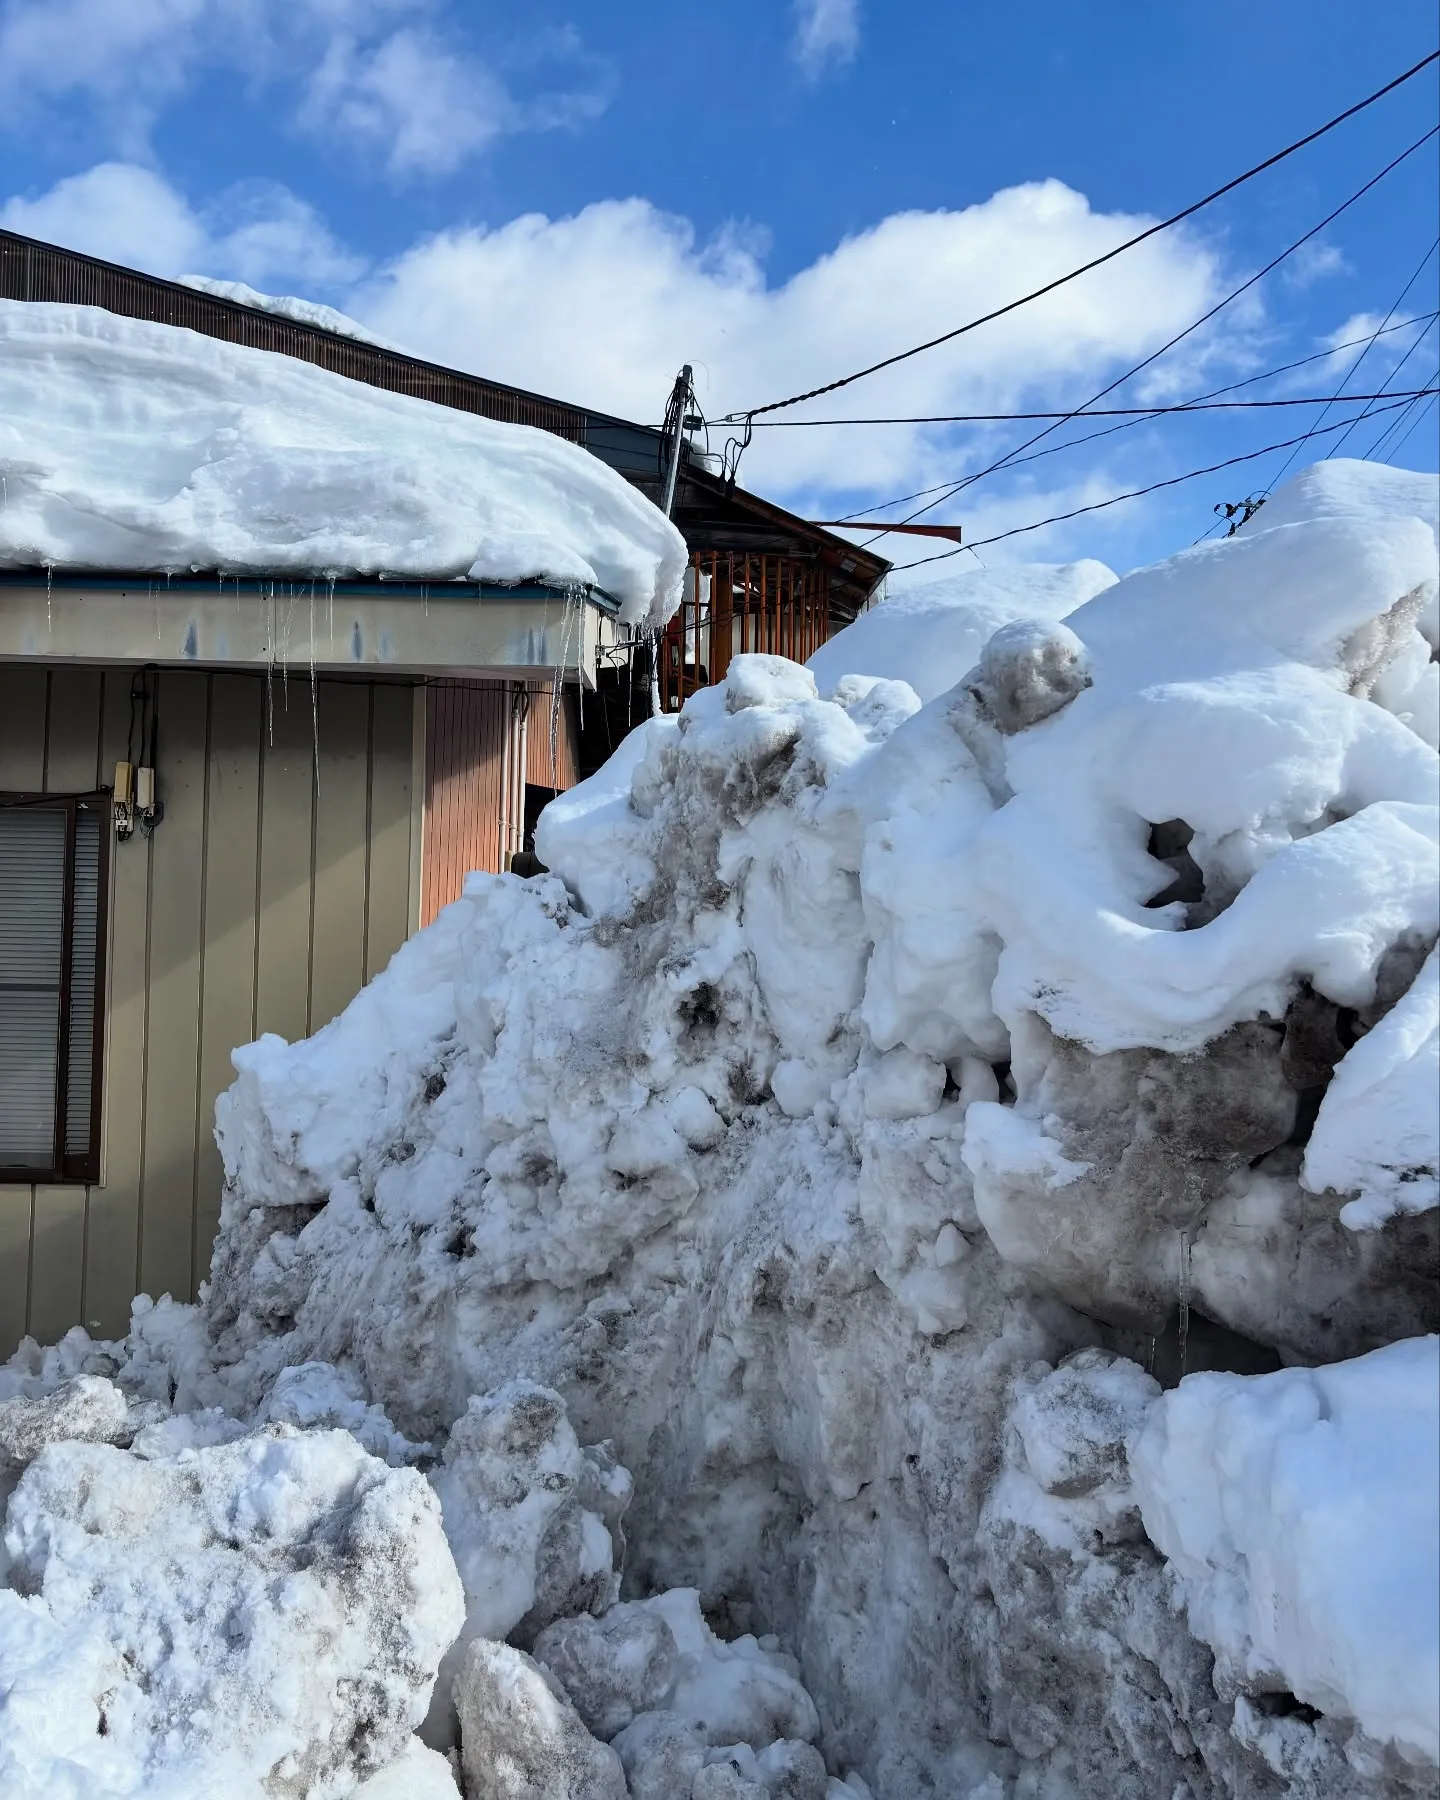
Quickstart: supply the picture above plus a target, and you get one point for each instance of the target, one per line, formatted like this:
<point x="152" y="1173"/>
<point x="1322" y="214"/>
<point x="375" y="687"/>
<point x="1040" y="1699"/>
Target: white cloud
<point x="827" y="33"/>
<point x="365" y="72"/>
<point x="257" y="232"/>
<point x="603" y="307"/>
<point x="1315" y="261"/>
<point x="423" y="108"/>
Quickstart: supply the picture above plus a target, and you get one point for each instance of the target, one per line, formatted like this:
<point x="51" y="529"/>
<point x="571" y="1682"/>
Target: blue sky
<point x="577" y="198"/>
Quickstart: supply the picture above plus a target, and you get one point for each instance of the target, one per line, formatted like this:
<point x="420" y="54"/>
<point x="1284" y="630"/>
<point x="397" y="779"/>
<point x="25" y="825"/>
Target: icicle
<point x="557" y="683"/>
<point x="49" y="593"/>
<point x="1184" y="1298"/>
<point x="314" y="694"/>
<point x="270" y="664"/>
<point x="330" y="603"/>
<point x="1150" y="1344"/>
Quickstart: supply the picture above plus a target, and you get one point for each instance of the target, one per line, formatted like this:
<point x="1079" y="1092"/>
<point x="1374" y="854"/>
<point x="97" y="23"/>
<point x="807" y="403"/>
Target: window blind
<point x="52" y="907"/>
<point x="32" y="921"/>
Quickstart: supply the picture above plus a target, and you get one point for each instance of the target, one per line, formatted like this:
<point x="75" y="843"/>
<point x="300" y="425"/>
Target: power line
<point x="1395" y="449"/>
<point x="1136" y="493"/>
<point x="1090" y="412"/>
<point x="1424" y="320"/>
<point x="1187" y="212"/>
<point x="1369" y="345"/>
<point x="1392" y="376"/>
<point x="1205" y="317"/>
<point x="1399" y="426"/>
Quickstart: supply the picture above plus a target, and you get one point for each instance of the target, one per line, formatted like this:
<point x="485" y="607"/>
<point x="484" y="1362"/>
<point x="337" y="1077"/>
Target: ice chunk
<point x="520" y="1737"/>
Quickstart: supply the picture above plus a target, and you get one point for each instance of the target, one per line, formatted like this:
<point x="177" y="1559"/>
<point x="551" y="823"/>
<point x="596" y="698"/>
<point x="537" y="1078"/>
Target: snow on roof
<point x="289" y="306"/>
<point x="131" y="446"/>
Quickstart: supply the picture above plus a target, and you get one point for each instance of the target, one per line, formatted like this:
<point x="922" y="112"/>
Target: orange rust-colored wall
<point x="476" y="733"/>
<point x="540" y="771"/>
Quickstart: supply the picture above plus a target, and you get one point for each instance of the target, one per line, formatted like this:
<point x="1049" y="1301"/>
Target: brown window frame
<point x="83" y="1169"/>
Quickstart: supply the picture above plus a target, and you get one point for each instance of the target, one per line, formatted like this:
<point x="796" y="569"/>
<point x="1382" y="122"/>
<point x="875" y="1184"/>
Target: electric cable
<point x="1259" y="275"/>
<point x="1398" y="427"/>
<point x="1370" y="342"/>
<point x="1095" y="412"/>
<point x="1049" y="287"/>
<point x="1385" y="391"/>
<point x="1423" y="320"/>
<point x="1133" y="494"/>
<point x="1395" y="449"/>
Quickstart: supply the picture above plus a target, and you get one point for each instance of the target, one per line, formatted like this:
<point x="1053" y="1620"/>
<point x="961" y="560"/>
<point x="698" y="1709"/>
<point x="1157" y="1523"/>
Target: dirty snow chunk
<point x="269" y="1610"/>
<point x="513" y="1483"/>
<point x="87" y="1407"/>
<point x="931" y="636"/>
<point x="318" y="1394"/>
<point x="661" y="1754"/>
<point x="417" y="1773"/>
<point x="533" y="1521"/>
<point x="1074" y="1421"/>
<point x="1300" y="1514"/>
<point x="131" y="445"/>
<point x="613" y="1667"/>
<point x="1378" y="1132"/>
<point x="1028" y="670"/>
<point x="733" y="1692"/>
<point x="784" y="1770"/>
<point x="521" y="1739"/>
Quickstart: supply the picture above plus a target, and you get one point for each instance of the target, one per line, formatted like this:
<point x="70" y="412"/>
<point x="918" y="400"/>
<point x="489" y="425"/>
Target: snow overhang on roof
<point x="128" y="445"/>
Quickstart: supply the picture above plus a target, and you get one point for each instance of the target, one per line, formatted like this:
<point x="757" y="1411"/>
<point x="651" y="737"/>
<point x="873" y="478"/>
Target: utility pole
<point x="676" y="414"/>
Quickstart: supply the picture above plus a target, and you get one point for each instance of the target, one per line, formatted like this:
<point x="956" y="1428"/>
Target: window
<point x="53" y="857"/>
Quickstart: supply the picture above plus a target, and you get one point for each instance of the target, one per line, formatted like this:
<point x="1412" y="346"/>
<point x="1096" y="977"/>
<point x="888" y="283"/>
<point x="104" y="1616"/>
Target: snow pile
<point x="931" y="635"/>
<point x="263" y="1615"/>
<point x="1300" y="1511"/>
<point x="131" y="446"/>
<point x="876" y="1107"/>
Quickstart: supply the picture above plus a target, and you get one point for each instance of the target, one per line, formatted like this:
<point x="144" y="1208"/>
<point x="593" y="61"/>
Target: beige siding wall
<point x="277" y="884"/>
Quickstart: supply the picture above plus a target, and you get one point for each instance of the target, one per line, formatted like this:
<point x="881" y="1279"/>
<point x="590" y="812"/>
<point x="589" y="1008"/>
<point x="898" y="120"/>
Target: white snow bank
<point x="260" y="1616"/>
<point x="1299" y="1511"/>
<point x="766" y="1130"/>
<point x="289" y="306"/>
<point x="931" y="636"/>
<point x="1378" y="1133"/>
<point x="131" y="446"/>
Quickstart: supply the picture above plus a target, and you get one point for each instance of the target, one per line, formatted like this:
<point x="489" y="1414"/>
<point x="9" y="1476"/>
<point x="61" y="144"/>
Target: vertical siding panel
<point x="112" y="1243"/>
<point x="15" y="1205"/>
<point x="73" y="750"/>
<point x="227" y="994"/>
<point x="57" y="1261"/>
<point x="389" y="850"/>
<point x="23" y="700"/>
<point x="337" y="968"/>
<point x="57" y="1252"/>
<point x="173" y="1037"/>
<point x="285" y="843"/>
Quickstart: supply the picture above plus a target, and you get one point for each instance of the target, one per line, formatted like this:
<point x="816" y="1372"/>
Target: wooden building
<point x="331" y="760"/>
